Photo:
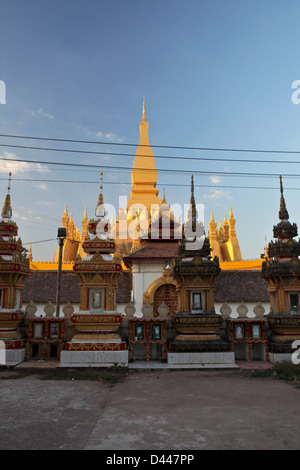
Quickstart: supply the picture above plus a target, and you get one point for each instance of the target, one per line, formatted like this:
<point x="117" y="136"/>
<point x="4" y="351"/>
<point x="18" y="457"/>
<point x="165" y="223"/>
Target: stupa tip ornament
<point x="7" y="210"/>
<point x="144" y="110"/>
<point x="283" y="213"/>
<point x="284" y="229"/>
<point x="99" y="209"/>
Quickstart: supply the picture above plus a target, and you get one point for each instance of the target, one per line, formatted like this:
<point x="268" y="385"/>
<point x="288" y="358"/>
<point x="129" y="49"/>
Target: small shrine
<point x="147" y="333"/>
<point x="45" y="333"/>
<point x="14" y="268"/>
<point x="281" y="270"/>
<point x="198" y="338"/>
<point x="247" y="335"/>
<point x="97" y="341"/>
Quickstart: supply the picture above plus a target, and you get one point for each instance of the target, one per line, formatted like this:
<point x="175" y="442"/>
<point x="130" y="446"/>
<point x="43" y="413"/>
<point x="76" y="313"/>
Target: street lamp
<point x="61" y="236"/>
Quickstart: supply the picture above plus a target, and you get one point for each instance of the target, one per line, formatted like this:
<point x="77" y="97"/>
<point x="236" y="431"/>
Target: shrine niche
<point x="151" y="333"/>
<point x="248" y="338"/>
<point x="45" y="338"/>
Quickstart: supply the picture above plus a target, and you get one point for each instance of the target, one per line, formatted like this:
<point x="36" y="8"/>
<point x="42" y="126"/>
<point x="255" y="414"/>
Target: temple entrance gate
<point x="165" y="293"/>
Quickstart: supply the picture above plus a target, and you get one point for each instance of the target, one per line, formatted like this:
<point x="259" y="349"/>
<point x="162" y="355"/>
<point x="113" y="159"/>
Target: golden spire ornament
<point x="100" y="209"/>
<point x="7" y="210"/>
<point x="283" y="213"/>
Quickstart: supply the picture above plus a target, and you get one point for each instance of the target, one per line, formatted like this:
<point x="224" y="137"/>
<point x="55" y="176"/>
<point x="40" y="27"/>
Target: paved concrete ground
<point x="151" y="410"/>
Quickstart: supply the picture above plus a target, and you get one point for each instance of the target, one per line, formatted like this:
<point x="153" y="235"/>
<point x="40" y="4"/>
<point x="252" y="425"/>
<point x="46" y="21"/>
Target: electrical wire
<point x="161" y="170"/>
<point x="214" y="149"/>
<point x="169" y="157"/>
<point x="216" y="186"/>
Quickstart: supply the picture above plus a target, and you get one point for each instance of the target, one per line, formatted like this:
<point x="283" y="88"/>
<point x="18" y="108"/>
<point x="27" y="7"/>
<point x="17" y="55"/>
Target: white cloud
<point x="215" y="179"/>
<point x="43" y="186"/>
<point x="217" y="194"/>
<point x="41" y="112"/>
<point x="10" y="162"/>
<point x="110" y="136"/>
<point x="17" y="215"/>
<point x="46" y="203"/>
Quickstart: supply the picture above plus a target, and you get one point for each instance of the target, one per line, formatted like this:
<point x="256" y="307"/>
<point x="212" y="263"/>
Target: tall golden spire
<point x="226" y="229"/>
<point x="65" y="218"/>
<point x="212" y="227"/>
<point x="85" y="226"/>
<point x="266" y="256"/>
<point x="144" y="172"/>
<point x="30" y="257"/>
<point x="231" y="223"/>
<point x="7" y="210"/>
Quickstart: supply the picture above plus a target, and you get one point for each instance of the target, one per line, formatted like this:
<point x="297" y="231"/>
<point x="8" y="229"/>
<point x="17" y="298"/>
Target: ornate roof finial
<point x="7" y="210"/>
<point x="283" y="213"/>
<point x="100" y="212"/>
<point x="9" y="180"/>
<point x="192" y="186"/>
<point x="144" y="111"/>
<point x="193" y="205"/>
<point x="100" y="198"/>
<point x="266" y="249"/>
<point x="30" y="257"/>
<point x="85" y="214"/>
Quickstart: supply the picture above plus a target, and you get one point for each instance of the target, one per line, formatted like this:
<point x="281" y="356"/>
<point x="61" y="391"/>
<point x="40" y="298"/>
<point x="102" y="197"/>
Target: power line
<point x="173" y="170"/>
<point x="170" y="157"/>
<point x="216" y="186"/>
<point x="40" y="241"/>
<point x="214" y="149"/>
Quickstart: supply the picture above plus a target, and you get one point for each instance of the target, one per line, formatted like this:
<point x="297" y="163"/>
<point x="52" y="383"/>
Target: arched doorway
<point x="165" y="293"/>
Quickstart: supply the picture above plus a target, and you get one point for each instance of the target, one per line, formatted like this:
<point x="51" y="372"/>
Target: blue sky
<point x="215" y="74"/>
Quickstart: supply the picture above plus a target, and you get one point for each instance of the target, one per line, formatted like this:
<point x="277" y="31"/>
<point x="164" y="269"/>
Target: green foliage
<point x="284" y="371"/>
<point x="110" y="376"/>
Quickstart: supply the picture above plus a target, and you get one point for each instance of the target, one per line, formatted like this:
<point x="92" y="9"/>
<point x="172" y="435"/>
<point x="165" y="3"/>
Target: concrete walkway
<point x="151" y="410"/>
<point x="153" y="365"/>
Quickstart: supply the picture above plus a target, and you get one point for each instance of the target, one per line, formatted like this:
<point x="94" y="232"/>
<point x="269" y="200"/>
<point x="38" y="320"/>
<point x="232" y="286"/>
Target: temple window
<point x="256" y="332"/>
<point x="197" y="302"/>
<point x="239" y="331"/>
<point x="294" y="301"/>
<point x="96" y="300"/>
<point x="18" y="298"/>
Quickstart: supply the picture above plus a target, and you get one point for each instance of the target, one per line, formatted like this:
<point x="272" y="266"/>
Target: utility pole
<point x="61" y="235"/>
